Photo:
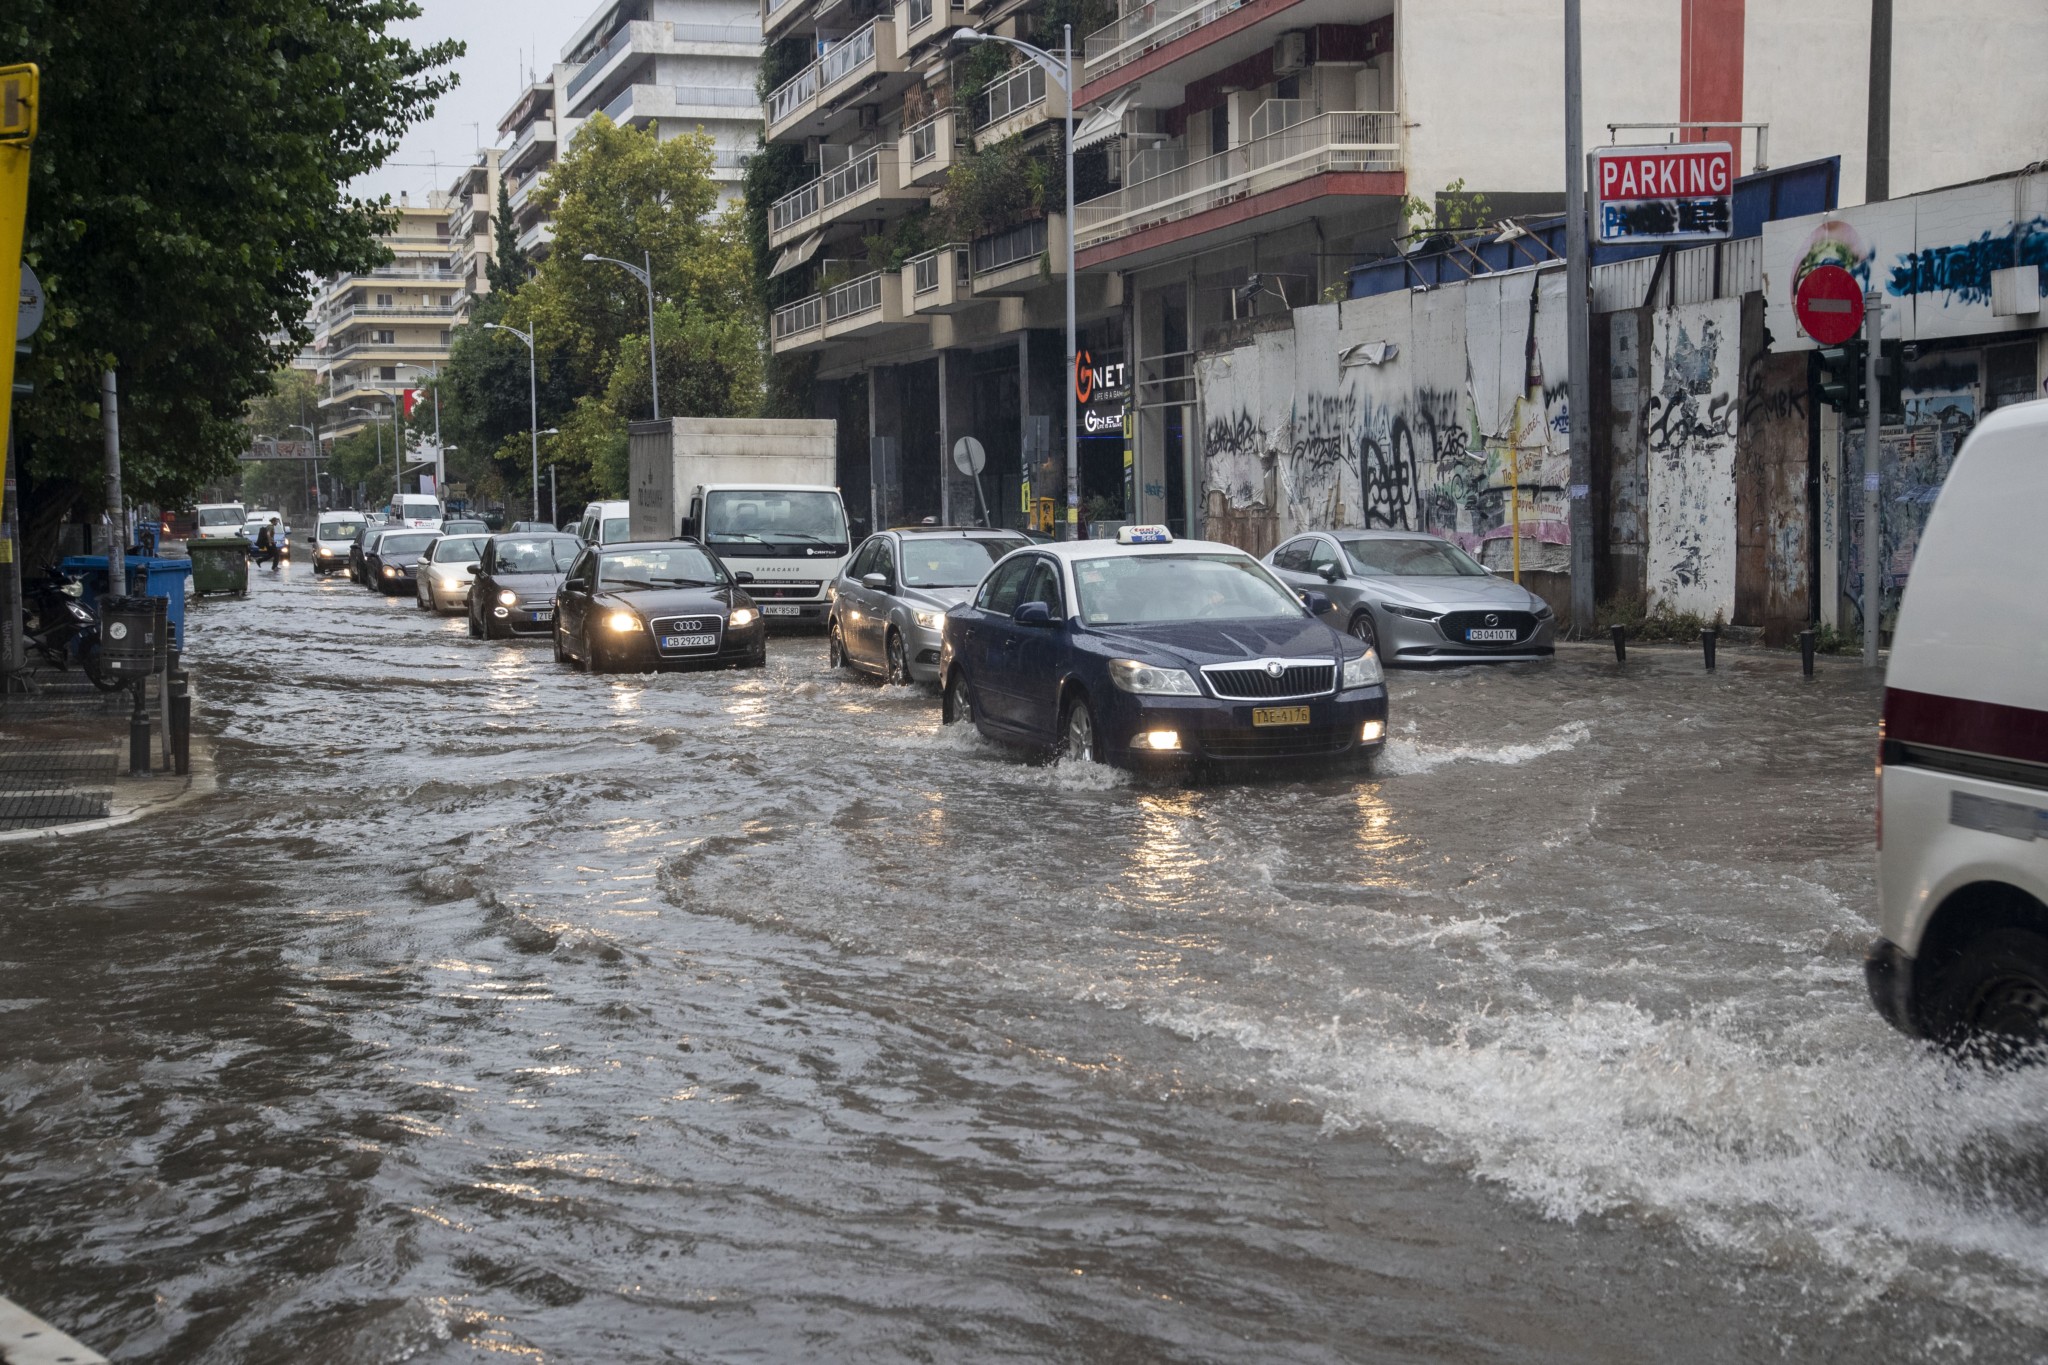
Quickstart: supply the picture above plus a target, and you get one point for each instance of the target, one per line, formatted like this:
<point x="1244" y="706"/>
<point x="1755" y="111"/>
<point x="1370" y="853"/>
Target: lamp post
<point x="1062" y="72"/>
<point x="533" y="402"/>
<point x="314" y="436"/>
<point x="376" y="426"/>
<point x="646" y="277"/>
<point x="554" y="510"/>
<point x="440" y="463"/>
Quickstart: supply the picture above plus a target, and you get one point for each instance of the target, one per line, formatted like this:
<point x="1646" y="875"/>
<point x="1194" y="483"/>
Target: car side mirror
<point x="878" y="581"/>
<point x="575" y="585"/>
<point x="1328" y="572"/>
<point x="1032" y="614"/>
<point x="1316" y="603"/>
<point x="743" y="576"/>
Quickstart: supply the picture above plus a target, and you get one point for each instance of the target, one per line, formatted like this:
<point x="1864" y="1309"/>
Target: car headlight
<point x="1132" y="676"/>
<point x="507" y="597"/>
<point x="1412" y="613"/>
<point x="390" y="572"/>
<point x="741" y="616"/>
<point x="622" y="620"/>
<point x="1363" y="671"/>
<point x="1543" y="612"/>
<point x="928" y="620"/>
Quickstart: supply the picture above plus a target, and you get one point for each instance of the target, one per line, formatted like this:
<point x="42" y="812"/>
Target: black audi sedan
<point x="645" y="605"/>
<point x="390" y="564"/>
<point x="1150" y="650"/>
<point x="359" y="549"/>
<point x="513" y="592"/>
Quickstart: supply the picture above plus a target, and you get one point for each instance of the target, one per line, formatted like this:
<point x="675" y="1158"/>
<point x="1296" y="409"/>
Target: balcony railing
<point x="1008" y="247"/>
<point x="412" y="272"/>
<point x="853" y="298"/>
<point x="793" y="207"/>
<point x="1015" y="92"/>
<point x="805" y="315"/>
<point x="596" y="64"/>
<point x="840" y="60"/>
<point x="920" y="12"/>
<point x="850" y="179"/>
<point x="924" y="139"/>
<point x="540" y="129"/>
<point x="1143" y="26"/>
<point x="785" y="98"/>
<point x="1313" y="146"/>
<point x="928" y="271"/>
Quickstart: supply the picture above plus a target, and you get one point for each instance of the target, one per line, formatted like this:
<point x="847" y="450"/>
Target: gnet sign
<point x="1676" y="193"/>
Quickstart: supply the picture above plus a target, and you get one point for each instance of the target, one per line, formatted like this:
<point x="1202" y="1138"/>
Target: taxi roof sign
<point x="1143" y="535"/>
<point x="18" y="101"/>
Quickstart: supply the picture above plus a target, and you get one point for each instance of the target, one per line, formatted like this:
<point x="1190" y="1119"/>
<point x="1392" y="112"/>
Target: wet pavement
<point x="490" y="1007"/>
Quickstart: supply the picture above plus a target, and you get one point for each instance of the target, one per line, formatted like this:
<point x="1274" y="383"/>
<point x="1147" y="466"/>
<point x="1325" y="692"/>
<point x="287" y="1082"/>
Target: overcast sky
<point x="503" y="36"/>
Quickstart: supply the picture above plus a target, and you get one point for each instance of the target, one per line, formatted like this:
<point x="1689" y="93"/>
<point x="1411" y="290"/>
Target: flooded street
<point x="491" y="1007"/>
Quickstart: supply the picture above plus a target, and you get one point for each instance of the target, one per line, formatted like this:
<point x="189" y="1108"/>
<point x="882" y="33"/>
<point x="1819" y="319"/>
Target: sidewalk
<point x="64" y="760"/>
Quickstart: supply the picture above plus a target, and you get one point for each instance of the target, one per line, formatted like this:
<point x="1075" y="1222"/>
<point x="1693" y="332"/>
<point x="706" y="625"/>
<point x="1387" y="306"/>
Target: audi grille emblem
<point x="1274" y="669"/>
<point x="1492" y="620"/>
<point x="687" y="627"/>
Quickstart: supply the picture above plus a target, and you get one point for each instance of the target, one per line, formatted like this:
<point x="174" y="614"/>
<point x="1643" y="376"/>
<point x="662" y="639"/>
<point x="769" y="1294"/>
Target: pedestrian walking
<point x="267" y="547"/>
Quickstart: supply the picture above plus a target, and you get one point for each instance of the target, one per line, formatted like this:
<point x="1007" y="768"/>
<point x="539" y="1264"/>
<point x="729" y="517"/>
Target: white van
<point x="220" y="518"/>
<point x="1962" y="813"/>
<point x="418" y="510"/>
<point x="606" y="523"/>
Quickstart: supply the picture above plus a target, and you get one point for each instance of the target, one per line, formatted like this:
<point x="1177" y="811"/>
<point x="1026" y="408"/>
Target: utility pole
<point x="1877" y="142"/>
<point x="1873" y="424"/>
<point x="117" y="512"/>
<point x="1578" y="345"/>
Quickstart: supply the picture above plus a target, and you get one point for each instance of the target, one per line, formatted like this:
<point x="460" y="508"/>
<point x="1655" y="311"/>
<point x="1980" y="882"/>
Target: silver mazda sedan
<point x="1416" y="597"/>
<point x="889" y="601"/>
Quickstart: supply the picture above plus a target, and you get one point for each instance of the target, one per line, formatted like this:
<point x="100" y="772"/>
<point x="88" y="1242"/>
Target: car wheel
<point x="476" y="625"/>
<point x="957" y="704"/>
<point x="1361" y="629"/>
<point x="561" y="654"/>
<point x="1991" y="1001"/>
<point x="835" y="646"/>
<point x="899" y="658"/>
<point x="420" y="594"/>
<point x="1077" y="733"/>
<point x="593" y="657"/>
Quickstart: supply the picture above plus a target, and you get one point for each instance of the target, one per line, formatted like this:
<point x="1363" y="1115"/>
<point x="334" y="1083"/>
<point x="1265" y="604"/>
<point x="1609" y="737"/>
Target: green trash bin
<point x="219" y="564"/>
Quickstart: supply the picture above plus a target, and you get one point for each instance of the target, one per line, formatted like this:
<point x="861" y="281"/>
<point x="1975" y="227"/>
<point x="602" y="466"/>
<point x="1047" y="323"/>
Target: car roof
<point x="1374" y="533"/>
<point x="1070" y="550"/>
<point x="623" y="545"/>
<point x="991" y="531"/>
<point x="550" y="534"/>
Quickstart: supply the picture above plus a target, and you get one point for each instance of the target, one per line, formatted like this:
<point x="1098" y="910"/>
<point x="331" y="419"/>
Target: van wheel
<point x="1991" y="1001"/>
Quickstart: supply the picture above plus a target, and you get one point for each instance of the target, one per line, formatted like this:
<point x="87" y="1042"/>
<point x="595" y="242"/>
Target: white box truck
<point x="760" y="492"/>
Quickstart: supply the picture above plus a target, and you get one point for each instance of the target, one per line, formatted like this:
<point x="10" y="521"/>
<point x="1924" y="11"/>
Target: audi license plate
<point x="689" y="641"/>
<point x="773" y="610"/>
<point x="1483" y="636"/>
<point x="1279" y="715"/>
<point x="547" y="615"/>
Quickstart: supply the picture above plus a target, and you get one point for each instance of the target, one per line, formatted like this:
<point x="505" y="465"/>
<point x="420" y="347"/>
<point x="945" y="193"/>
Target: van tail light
<point x="1880" y="786"/>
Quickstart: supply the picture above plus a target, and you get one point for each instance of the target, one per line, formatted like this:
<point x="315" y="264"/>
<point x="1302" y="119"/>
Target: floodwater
<point x="493" y="1008"/>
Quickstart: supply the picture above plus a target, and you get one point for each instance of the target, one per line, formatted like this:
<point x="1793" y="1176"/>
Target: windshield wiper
<point x="717" y="536"/>
<point x="804" y="535"/>
<point x="684" y="583"/>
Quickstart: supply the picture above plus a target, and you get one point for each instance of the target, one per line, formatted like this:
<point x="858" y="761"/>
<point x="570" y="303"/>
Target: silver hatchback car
<point x="1416" y="597"/>
<point x="889" y="602"/>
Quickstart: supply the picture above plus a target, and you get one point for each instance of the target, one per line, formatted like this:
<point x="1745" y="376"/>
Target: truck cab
<point x="792" y="538"/>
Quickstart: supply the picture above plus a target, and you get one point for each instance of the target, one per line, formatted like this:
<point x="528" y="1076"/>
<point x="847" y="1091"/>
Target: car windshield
<point x="339" y="530"/>
<point x="774" y="517"/>
<point x="1187" y="587"/>
<point x="220" y="516"/>
<point x="405" y="543"/>
<point x="458" y="551"/>
<point x="950" y="562"/>
<point x="550" y="554"/>
<point x="669" y="566"/>
<point x="1430" y="558"/>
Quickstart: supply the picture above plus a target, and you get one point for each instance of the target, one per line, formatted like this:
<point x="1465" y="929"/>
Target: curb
<point x="26" y="1339"/>
<point x="133" y="799"/>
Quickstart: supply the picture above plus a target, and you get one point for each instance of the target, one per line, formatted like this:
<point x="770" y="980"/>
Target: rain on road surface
<point x="493" y="1007"/>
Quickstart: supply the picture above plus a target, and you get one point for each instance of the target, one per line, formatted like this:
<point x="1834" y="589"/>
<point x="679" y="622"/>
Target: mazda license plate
<point x="1483" y="635"/>
<point x="689" y="641"/>
<point x="547" y="615"/>
<point x="1279" y="715"/>
<point x="782" y="611"/>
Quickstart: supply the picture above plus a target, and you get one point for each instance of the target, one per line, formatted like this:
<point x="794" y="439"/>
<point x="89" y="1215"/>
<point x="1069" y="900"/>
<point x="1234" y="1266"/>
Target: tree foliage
<point x="509" y="266"/>
<point x="187" y="188"/>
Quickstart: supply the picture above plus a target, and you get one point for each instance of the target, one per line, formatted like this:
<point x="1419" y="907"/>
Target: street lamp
<point x="646" y="277"/>
<point x="1062" y="72"/>
<point x="533" y="402"/>
<point x="554" y="504"/>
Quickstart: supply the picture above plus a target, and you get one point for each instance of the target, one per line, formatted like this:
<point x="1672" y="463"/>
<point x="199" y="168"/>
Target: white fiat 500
<point x="1963" y="763"/>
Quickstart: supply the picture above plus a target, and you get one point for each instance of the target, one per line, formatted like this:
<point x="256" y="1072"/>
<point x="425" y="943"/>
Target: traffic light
<point x="1841" y="378"/>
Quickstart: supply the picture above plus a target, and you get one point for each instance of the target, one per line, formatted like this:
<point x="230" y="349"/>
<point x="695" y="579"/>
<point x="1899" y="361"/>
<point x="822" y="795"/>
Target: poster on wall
<point x="1681" y="192"/>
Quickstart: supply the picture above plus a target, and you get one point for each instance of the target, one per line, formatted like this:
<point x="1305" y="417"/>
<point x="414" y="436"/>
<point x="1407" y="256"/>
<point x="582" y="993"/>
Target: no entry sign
<point x="1681" y="192"/>
<point x="1829" y="305"/>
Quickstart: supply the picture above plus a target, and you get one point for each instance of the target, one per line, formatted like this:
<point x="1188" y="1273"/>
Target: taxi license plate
<point x="782" y="611"/>
<point x="1279" y="715"/>
<point x="688" y="641"/>
<point x="547" y="615"/>
<point x="1483" y="636"/>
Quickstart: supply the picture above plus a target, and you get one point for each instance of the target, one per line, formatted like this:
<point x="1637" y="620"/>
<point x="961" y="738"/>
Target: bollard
<point x="138" y="732"/>
<point x="181" y="723"/>
<point x="1620" y="634"/>
<point x="1707" y="637"/>
<point x="1806" y="652"/>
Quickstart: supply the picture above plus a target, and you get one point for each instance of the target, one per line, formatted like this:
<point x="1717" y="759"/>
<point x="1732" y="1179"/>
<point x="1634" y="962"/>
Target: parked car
<point x="1148" y="649"/>
<point x="654" y="605"/>
<point x="391" y="567"/>
<point x="513" y="591"/>
<point x="889" y="603"/>
<point x="606" y="523"/>
<point x="364" y="545"/>
<point x="445" y="571"/>
<point x="1962" y="790"/>
<point x="334" y="534"/>
<point x="1416" y="597"/>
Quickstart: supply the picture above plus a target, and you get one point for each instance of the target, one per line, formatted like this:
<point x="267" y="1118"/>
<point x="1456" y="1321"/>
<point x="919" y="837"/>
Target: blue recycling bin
<point x="148" y="576"/>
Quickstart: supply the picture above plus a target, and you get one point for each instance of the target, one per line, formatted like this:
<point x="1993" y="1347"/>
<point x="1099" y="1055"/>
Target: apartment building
<point x="540" y="134"/>
<point x="677" y="66"/>
<point x="387" y="329"/>
<point x="472" y="226"/>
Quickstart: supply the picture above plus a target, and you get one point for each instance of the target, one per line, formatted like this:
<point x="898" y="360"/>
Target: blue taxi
<point x="1150" y="649"/>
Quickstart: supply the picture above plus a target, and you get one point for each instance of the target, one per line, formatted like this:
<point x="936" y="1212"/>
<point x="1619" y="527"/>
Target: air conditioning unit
<point x="1290" y="53"/>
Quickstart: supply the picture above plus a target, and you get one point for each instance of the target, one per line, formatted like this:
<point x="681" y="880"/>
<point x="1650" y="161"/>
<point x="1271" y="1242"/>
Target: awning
<point x="1105" y="123"/>
<point x="798" y="254"/>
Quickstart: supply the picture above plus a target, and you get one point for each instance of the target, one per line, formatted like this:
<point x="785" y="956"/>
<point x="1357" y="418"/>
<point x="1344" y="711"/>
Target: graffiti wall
<point x="1443" y="412"/>
<point x="1690" y="409"/>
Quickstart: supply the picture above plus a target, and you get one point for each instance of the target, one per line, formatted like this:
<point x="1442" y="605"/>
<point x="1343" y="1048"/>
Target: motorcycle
<point x="63" y="628"/>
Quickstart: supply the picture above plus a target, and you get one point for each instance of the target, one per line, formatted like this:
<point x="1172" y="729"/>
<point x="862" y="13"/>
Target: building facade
<point x="388" y="329"/>
<point x="539" y="134"/>
<point x="472" y="228"/>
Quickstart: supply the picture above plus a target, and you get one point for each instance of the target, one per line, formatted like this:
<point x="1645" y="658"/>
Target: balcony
<point x="537" y="238"/>
<point x="867" y="178"/>
<point x="927" y="151"/>
<point x="799" y="326"/>
<point x="870" y="304"/>
<point x="1015" y="260"/>
<point x="776" y="14"/>
<point x="869" y="51"/>
<point x="1145" y="27"/>
<point x="644" y="38"/>
<point x="379" y="312"/>
<point x="1019" y="101"/>
<point x="1290" y="154"/>
<point x="920" y="20"/>
<point x="409" y="272"/>
<point x="939" y="281"/>
<point x="535" y="145"/>
<point x="698" y="103"/>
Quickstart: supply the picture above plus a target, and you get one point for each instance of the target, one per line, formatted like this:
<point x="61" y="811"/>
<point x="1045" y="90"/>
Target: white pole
<point x="653" y="375"/>
<point x="1873" y="424"/>
<point x="1073" y="399"/>
<point x="1578" y="341"/>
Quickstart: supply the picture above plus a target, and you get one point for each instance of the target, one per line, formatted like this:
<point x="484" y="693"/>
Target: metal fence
<point x="805" y="315"/>
<point x="853" y="298"/>
<point x="1010" y="246"/>
<point x="1017" y="91"/>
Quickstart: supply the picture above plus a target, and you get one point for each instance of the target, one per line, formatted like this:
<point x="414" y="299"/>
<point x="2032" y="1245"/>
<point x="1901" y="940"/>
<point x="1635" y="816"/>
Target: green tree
<point x="509" y="267"/>
<point x="187" y="189"/>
